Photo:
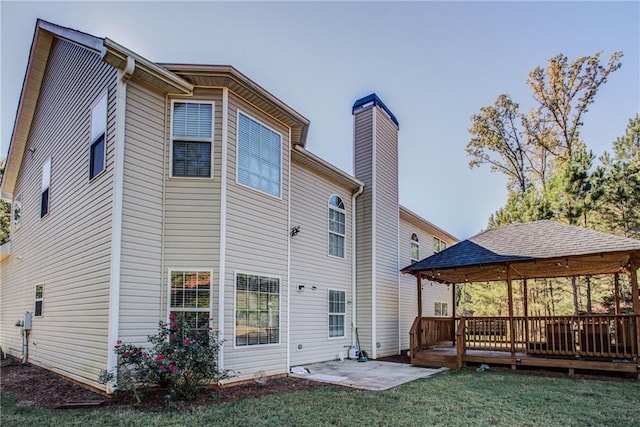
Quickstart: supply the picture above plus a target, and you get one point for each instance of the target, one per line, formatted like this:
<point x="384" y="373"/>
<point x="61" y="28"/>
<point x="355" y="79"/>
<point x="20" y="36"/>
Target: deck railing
<point x="590" y="335"/>
<point x="429" y="331"/>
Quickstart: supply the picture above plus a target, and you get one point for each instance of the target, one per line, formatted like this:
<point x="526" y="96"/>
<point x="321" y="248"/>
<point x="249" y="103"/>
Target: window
<point x="438" y="245"/>
<point x="189" y="297"/>
<point x="37" y="309"/>
<point x="441" y="308"/>
<point x="415" y="248"/>
<point x="336" y="227"/>
<point x="191" y="139"/>
<point x="46" y="184"/>
<point x="259" y="155"/>
<point x="257" y="310"/>
<point x="16" y="211"/>
<point x="97" y="148"/>
<point x="337" y="311"/>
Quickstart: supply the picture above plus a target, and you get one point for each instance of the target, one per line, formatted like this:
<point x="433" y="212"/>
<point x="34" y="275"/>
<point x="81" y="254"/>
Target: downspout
<point x="354" y="196"/>
<point x="289" y="260"/>
<point x="116" y="217"/>
<point x="223" y="223"/>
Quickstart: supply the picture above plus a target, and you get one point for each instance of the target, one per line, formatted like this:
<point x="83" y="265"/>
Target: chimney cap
<point x="373" y="100"/>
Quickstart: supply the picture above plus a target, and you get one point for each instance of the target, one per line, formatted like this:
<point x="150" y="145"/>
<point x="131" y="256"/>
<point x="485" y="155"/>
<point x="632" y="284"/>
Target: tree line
<point x="551" y="174"/>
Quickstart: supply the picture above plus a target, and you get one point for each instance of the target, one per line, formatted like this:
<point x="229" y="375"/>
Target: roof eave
<point x="414" y="217"/>
<point x="157" y="76"/>
<point x="301" y="155"/>
<point x="240" y="84"/>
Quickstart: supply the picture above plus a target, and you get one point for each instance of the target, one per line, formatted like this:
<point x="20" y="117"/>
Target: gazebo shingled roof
<point x="532" y="250"/>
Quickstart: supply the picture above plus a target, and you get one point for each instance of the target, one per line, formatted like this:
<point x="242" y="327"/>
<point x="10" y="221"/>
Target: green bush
<point x="181" y="358"/>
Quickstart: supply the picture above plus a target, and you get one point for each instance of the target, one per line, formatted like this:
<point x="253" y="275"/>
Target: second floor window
<point x="46" y="186"/>
<point x="259" y="153"/>
<point x="415" y="248"/>
<point x="336" y="227"/>
<point x="191" y="139"/>
<point x="98" y="144"/>
<point x="438" y="245"/>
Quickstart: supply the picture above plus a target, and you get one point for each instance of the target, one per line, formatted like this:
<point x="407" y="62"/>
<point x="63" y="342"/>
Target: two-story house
<point x="141" y="189"/>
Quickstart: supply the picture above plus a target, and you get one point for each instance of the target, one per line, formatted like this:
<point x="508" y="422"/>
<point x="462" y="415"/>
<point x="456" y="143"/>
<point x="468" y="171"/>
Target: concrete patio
<point x="369" y="375"/>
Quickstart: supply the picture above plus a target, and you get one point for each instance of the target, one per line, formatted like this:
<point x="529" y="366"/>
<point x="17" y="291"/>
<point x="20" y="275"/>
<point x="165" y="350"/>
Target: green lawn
<point x="463" y="398"/>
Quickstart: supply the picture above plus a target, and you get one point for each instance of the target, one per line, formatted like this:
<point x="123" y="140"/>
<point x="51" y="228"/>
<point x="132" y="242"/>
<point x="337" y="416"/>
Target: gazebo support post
<point x="616" y="290"/>
<point x="419" y="277"/>
<point x="453" y="311"/>
<point x="511" y="323"/>
<point x="633" y="276"/>
<point x="525" y="310"/>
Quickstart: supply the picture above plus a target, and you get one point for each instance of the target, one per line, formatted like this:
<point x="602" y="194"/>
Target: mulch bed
<point x="56" y="392"/>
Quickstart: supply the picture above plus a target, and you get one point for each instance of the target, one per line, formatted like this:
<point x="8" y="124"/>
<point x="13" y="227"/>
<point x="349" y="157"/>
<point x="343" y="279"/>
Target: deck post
<point x="420" y="325"/>
<point x="453" y="312"/>
<point x="616" y="287"/>
<point x="511" y="323"/>
<point x="525" y="311"/>
<point x="633" y="276"/>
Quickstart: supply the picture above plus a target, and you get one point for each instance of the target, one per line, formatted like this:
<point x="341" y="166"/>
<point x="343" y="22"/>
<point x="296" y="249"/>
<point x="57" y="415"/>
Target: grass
<point x="463" y="398"/>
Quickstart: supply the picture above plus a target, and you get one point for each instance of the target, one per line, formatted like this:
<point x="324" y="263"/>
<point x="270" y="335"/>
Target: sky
<point x="434" y="64"/>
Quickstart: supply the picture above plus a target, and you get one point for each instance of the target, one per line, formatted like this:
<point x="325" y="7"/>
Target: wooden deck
<point x="599" y="343"/>
<point x="444" y="355"/>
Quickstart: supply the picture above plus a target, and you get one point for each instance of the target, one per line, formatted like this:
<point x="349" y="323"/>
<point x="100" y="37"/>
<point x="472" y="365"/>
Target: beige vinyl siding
<point x="312" y="266"/>
<point x="257" y="241"/>
<point x="363" y="162"/>
<point x="192" y="209"/>
<point x="431" y="291"/>
<point x="141" y="270"/>
<point x="70" y="249"/>
<point x="387" y="275"/>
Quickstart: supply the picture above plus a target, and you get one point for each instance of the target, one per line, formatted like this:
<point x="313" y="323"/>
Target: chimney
<point x="375" y="160"/>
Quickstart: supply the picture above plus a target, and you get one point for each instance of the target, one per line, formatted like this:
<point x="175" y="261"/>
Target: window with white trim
<point x="190" y="297"/>
<point x="441" y="308"/>
<point x="46" y="186"/>
<point x="39" y="298"/>
<point x="337" y="312"/>
<point x="191" y="139"/>
<point x="97" y="141"/>
<point x="415" y="248"/>
<point x="257" y="310"/>
<point x="259" y="156"/>
<point x="16" y="212"/>
<point x="336" y="226"/>
<point x="438" y="245"/>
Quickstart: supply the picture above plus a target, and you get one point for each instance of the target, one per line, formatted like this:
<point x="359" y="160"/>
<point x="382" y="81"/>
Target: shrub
<point x="180" y="357"/>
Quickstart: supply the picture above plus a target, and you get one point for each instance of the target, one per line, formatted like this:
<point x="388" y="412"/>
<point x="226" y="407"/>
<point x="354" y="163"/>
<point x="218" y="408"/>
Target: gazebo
<point x="521" y="252"/>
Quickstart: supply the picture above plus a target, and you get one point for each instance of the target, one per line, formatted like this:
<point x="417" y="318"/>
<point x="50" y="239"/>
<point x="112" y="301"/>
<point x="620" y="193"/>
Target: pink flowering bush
<point x="180" y="358"/>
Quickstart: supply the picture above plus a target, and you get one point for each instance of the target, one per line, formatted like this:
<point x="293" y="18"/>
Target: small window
<point x="97" y="147"/>
<point x="415" y="248"/>
<point x="337" y="311"/>
<point x="37" y="309"/>
<point x="46" y="186"/>
<point x="438" y="245"/>
<point x="191" y="139"/>
<point x="16" y="212"/>
<point x="441" y="308"/>
<point x="257" y="310"/>
<point x="190" y="297"/>
<point x="336" y="227"/>
<point x="259" y="153"/>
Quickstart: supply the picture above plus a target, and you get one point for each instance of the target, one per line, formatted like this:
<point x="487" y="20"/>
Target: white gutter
<point x="116" y="217"/>
<point x="374" y="148"/>
<point x="354" y="196"/>
<point x="289" y="261"/>
<point x="223" y="223"/>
